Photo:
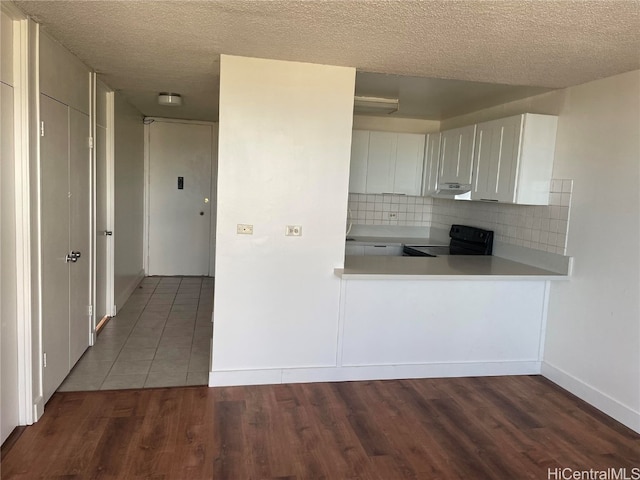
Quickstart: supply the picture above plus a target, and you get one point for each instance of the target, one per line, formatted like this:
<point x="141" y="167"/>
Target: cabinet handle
<point x="488" y="200"/>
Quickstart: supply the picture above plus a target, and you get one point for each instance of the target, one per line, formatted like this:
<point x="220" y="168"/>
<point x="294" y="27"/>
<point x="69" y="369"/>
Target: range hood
<point x="453" y="190"/>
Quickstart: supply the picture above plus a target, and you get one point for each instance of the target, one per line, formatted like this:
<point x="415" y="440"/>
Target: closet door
<point x="54" y="204"/>
<point x="79" y="234"/>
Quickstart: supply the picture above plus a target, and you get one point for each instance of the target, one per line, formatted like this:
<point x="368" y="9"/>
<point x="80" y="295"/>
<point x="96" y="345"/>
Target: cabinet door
<point x="359" y="158"/>
<point x="353" y="249"/>
<point x="432" y="157"/>
<point x="496" y="160"/>
<point x="408" y="164"/>
<point x="456" y="155"/>
<point x="381" y="163"/>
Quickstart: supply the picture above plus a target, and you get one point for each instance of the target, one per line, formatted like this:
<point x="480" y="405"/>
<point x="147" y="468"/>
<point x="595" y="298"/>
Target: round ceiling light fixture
<point x="169" y="99"/>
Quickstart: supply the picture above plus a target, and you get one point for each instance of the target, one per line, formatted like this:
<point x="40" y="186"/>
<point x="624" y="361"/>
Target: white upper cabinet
<point x="409" y="162"/>
<point x="456" y="155"/>
<point x="431" y="162"/>
<point x="514" y="159"/>
<point x="359" y="158"/>
<point x="386" y="162"/>
<point x="382" y="162"/>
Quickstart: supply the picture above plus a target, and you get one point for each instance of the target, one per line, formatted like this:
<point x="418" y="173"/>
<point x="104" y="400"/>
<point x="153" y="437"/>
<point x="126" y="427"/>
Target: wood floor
<point x="473" y="428"/>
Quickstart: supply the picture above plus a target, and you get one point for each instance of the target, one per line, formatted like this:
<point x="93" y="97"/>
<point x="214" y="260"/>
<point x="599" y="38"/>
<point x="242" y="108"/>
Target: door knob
<point x="73" y="257"/>
<point x="108" y="233"/>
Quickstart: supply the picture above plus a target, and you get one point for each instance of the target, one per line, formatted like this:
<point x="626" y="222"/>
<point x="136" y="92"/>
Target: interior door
<point x="80" y="234"/>
<point x="104" y="205"/>
<point x="179" y="223"/>
<point x="54" y="191"/>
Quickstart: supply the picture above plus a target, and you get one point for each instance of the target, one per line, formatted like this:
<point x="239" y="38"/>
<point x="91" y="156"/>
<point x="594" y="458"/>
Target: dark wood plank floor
<point x="473" y="428"/>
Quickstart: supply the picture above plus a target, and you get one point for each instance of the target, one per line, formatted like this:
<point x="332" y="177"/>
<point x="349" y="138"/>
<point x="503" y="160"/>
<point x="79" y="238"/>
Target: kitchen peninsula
<point x="451" y="315"/>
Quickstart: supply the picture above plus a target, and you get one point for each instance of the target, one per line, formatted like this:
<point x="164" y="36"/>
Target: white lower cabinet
<point x="381" y="249"/>
<point x="351" y="249"/>
<point x="389" y="250"/>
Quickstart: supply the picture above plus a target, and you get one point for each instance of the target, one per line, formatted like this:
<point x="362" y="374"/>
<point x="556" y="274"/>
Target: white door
<point x="54" y="191"/>
<point x="65" y="176"/>
<point x="79" y="234"/>
<point x="179" y="223"/>
<point x="104" y="207"/>
<point x="9" y="393"/>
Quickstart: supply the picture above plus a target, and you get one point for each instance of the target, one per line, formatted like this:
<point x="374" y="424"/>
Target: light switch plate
<point x="245" y="229"/>
<point x="293" y="231"/>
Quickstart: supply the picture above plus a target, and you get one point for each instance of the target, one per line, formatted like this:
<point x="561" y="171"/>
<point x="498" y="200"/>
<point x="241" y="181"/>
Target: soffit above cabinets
<point x="142" y="48"/>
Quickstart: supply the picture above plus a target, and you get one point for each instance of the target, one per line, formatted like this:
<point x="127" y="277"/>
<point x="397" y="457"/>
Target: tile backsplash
<point x="532" y="226"/>
<point x="389" y="209"/>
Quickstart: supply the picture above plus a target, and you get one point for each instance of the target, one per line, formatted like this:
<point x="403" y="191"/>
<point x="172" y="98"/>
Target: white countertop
<point x="446" y="267"/>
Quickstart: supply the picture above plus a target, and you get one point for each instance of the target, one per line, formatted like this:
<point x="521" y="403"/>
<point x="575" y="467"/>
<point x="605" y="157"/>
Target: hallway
<point x="160" y="338"/>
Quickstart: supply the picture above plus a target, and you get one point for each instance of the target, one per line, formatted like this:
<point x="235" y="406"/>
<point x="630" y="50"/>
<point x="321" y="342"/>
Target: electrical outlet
<point x="245" y="229"/>
<point x="293" y="231"/>
<point x="393" y="215"/>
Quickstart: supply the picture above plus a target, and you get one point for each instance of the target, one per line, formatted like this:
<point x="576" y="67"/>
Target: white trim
<point x="110" y="104"/>
<point x="92" y="209"/>
<point x="227" y="378"/>
<point x="145" y="196"/>
<point x="36" y="219"/>
<point x="600" y="400"/>
<point x="21" y="67"/>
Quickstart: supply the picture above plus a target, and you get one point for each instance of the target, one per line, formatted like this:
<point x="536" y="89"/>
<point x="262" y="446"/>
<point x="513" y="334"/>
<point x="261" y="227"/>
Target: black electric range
<point x="465" y="240"/>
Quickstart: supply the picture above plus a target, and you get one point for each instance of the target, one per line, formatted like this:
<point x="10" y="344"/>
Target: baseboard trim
<point x="126" y="293"/>
<point x="228" y="378"/>
<point x="592" y="396"/>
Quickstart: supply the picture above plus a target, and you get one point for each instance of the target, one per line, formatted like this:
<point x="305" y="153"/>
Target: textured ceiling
<point x="144" y="47"/>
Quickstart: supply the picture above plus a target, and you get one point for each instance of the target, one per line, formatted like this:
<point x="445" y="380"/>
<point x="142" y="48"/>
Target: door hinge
<point x="42" y="129"/>
<point x="90" y="310"/>
<point x="44" y="360"/>
<point x="90" y="142"/>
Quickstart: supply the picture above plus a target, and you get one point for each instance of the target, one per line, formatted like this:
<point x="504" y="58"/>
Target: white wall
<point x="284" y="145"/>
<point x="129" y="199"/>
<point x="9" y="409"/>
<point x="593" y="333"/>
<point x="62" y="75"/>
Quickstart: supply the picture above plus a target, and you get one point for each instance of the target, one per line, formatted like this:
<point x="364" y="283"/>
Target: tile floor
<point x="159" y="338"/>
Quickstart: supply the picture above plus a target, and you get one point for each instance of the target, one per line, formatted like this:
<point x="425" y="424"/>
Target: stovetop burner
<point x="465" y="240"/>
